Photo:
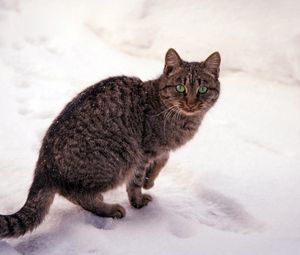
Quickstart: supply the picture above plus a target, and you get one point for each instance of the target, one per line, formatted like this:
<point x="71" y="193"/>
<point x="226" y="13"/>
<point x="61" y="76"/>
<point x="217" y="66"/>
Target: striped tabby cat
<point x="117" y="131"/>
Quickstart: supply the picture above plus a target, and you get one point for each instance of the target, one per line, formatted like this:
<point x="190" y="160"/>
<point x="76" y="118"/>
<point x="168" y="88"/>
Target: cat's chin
<point x="189" y="113"/>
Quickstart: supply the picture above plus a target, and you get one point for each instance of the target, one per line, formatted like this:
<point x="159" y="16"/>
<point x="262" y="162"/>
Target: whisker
<point x="168" y="116"/>
<point x="175" y="115"/>
<point x="165" y="110"/>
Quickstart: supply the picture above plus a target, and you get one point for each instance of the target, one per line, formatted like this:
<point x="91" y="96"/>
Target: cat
<point x="120" y="130"/>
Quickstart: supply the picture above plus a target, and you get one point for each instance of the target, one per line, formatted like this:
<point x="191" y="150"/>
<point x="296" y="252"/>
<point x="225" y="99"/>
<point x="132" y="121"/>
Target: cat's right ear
<point x="212" y="63"/>
<point x="172" y="62"/>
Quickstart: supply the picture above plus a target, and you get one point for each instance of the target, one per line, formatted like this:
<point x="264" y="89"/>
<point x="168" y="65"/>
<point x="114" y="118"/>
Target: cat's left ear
<point x="172" y="61"/>
<point x="212" y="63"/>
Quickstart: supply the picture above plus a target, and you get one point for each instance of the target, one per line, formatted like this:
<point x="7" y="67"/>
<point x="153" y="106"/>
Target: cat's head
<point x="190" y="87"/>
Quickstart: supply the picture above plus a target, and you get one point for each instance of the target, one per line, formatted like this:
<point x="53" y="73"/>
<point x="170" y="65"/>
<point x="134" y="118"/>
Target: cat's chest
<point x="166" y="135"/>
<point x="180" y="132"/>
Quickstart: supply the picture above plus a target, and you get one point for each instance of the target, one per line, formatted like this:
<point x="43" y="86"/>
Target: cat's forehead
<point x="192" y="66"/>
<point x="194" y="70"/>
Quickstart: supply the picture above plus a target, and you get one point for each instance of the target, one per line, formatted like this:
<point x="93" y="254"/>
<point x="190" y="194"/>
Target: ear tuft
<point x="212" y="63"/>
<point x="172" y="61"/>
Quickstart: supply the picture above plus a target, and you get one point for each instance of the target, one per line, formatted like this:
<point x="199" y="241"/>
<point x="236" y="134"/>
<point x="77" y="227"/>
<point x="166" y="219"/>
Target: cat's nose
<point x="190" y="108"/>
<point x="190" y="105"/>
<point x="190" y="102"/>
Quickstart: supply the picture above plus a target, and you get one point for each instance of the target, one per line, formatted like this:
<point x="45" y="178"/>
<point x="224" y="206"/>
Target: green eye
<point x="202" y="90"/>
<point x="180" y="88"/>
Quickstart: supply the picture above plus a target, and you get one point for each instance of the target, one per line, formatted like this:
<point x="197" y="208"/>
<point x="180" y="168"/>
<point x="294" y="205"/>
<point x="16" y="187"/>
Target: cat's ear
<point x="172" y="61"/>
<point x="212" y="63"/>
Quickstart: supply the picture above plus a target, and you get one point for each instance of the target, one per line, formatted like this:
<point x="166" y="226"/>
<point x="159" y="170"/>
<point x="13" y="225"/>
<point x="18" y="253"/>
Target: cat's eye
<point x="202" y="89"/>
<point x="180" y="88"/>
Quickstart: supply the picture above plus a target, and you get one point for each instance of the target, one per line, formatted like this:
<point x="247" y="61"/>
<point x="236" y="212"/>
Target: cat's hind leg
<point x="94" y="203"/>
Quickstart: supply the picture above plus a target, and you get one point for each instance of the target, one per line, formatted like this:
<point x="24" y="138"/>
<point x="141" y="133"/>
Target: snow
<point x="234" y="189"/>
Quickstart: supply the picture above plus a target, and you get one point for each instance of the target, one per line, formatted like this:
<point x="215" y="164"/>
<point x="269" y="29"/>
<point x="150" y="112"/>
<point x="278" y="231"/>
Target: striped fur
<point x="119" y="130"/>
<point x="39" y="199"/>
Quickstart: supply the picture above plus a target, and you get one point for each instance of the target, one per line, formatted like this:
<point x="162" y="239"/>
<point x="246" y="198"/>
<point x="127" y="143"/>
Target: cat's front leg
<point x="134" y="188"/>
<point x="153" y="170"/>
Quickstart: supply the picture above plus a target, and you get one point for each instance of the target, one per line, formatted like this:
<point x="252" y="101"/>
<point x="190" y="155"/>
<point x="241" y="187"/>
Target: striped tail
<point x="39" y="199"/>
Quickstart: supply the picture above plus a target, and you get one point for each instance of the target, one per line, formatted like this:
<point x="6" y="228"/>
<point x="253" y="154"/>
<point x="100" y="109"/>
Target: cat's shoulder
<point x="119" y="80"/>
<point x="106" y="85"/>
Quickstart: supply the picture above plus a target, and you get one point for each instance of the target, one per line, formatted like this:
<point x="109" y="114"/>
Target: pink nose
<point x="189" y="107"/>
<point x="190" y="102"/>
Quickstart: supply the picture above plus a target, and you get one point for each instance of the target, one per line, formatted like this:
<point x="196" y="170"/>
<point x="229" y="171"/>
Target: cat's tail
<point x="38" y="202"/>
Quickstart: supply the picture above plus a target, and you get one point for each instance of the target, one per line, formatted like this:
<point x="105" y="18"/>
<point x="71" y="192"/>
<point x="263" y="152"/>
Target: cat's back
<point x="99" y="122"/>
<point x="109" y="106"/>
<point x="106" y="99"/>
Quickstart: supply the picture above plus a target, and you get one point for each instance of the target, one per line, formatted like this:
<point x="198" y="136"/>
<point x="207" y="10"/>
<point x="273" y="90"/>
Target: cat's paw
<point x="139" y="203"/>
<point x="118" y="211"/>
<point x="148" y="184"/>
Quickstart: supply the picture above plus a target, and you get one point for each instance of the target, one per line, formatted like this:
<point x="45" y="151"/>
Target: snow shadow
<point x="223" y="212"/>
<point x="6" y="249"/>
<point x="62" y="235"/>
<point x="208" y="207"/>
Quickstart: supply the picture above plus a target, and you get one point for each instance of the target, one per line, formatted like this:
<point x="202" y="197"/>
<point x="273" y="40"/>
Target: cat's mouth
<point x="187" y="110"/>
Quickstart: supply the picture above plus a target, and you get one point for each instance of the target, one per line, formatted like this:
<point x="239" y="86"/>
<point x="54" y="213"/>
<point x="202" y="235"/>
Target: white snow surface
<point x="234" y="189"/>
